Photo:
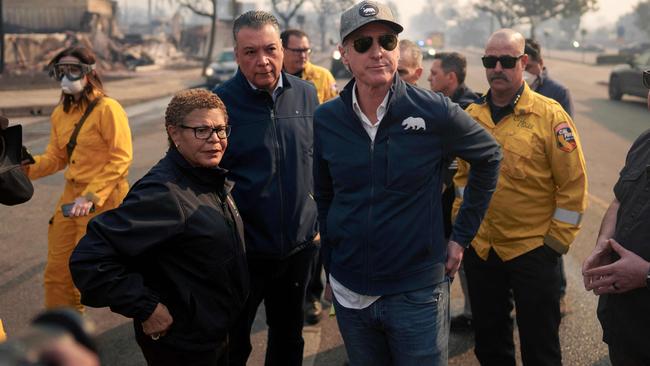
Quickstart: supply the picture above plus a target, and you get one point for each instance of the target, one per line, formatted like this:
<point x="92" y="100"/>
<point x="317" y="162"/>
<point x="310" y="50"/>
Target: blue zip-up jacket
<point x="379" y="203"/>
<point x="269" y="157"/>
<point x="556" y="91"/>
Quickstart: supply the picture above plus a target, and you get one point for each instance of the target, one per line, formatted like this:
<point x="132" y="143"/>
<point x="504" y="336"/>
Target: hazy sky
<point x="608" y="13"/>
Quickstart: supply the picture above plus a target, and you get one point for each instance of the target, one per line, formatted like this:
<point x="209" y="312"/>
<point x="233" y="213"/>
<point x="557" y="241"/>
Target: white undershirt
<point x="346" y="297"/>
<point x="275" y="92"/>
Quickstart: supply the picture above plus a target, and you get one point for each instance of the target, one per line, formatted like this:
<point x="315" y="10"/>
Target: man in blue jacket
<point x="536" y="76"/>
<point x="270" y="159"/>
<point x="379" y="153"/>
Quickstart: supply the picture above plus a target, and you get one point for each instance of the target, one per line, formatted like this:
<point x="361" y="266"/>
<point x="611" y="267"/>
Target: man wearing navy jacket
<point x="270" y="159"/>
<point x="379" y="153"/>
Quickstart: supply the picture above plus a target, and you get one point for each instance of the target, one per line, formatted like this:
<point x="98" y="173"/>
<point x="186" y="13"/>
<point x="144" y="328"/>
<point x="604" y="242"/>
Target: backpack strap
<point x="73" y="138"/>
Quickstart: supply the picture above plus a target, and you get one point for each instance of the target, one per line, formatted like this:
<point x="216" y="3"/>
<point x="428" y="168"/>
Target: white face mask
<point x="529" y="78"/>
<point x="73" y="87"/>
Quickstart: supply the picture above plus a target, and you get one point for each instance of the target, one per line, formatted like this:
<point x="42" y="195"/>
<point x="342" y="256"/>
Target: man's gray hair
<point x="412" y="51"/>
<point x="255" y="19"/>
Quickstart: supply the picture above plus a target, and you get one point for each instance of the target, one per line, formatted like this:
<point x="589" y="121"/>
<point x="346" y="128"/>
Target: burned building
<point x="47" y="16"/>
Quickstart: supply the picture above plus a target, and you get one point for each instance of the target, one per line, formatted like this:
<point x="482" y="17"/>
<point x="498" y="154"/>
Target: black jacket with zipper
<point x="177" y="239"/>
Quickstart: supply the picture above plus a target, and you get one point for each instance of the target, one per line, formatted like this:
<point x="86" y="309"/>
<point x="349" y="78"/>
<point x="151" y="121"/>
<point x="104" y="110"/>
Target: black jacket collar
<point x="212" y="177"/>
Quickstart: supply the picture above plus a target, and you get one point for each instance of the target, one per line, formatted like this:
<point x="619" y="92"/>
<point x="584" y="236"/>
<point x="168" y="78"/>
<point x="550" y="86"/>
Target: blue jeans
<point x="410" y="328"/>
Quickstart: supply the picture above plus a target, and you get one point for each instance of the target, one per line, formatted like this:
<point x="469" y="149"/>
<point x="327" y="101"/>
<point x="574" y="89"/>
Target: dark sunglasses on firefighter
<point x="73" y="70"/>
<point x="646" y="79"/>
<point x="387" y="42"/>
<point x="507" y="62"/>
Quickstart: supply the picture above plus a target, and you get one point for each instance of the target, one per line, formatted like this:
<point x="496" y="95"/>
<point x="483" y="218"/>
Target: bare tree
<point x="533" y="12"/>
<point x="2" y="41"/>
<point x="326" y="10"/>
<point x="208" y="9"/>
<point x="501" y="10"/>
<point x="642" y="20"/>
<point x="286" y="9"/>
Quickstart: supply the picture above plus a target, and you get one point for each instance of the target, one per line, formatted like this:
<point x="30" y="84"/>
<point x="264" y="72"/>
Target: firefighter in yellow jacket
<point x="533" y="217"/>
<point x="296" y="62"/>
<point x="96" y="175"/>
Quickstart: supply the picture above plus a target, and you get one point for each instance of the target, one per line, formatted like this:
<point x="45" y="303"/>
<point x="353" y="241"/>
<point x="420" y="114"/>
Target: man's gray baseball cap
<point x="364" y="13"/>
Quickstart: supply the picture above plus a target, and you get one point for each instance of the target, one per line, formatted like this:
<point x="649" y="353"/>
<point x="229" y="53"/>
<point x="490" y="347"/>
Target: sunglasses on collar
<point x="646" y="79"/>
<point x="73" y="71"/>
<point x="387" y="42"/>
<point x="507" y="62"/>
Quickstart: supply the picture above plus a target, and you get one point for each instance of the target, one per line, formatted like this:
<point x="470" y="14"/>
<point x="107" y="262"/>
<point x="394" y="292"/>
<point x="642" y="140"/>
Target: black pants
<point x="621" y="354"/>
<point x="159" y="354"/>
<point x="534" y="280"/>
<point x="281" y="284"/>
<point x="316" y="286"/>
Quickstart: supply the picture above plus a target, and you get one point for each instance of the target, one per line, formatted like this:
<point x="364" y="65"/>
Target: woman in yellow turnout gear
<point x="97" y="167"/>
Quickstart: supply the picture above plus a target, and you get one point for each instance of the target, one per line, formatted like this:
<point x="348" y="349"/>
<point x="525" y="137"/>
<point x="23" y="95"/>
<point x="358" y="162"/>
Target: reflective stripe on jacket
<point x="542" y="189"/>
<point x="103" y="153"/>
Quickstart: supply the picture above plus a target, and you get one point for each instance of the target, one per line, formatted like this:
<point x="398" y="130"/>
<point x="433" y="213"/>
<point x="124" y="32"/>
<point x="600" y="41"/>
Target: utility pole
<point x="2" y="41"/>
<point x="149" y="12"/>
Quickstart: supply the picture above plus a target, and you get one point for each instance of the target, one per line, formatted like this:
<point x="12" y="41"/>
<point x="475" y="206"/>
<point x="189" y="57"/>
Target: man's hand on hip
<point x="454" y="257"/>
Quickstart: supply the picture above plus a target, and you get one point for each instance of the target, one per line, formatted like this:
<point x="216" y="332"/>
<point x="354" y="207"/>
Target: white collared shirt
<point x="276" y="91"/>
<point x="367" y="125"/>
<point x="346" y="297"/>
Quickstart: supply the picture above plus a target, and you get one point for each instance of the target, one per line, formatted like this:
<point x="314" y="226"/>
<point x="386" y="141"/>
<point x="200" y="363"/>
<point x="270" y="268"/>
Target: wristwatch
<point x="647" y="280"/>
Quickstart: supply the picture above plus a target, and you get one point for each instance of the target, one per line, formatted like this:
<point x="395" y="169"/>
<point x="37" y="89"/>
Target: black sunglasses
<point x="507" y="62"/>
<point x="646" y="79"/>
<point x="387" y="42"/>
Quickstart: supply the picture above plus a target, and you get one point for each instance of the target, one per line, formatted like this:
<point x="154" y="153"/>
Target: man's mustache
<point x="498" y="77"/>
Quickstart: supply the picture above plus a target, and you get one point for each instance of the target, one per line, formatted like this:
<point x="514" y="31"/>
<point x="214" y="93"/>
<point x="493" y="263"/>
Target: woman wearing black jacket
<point x="172" y="255"/>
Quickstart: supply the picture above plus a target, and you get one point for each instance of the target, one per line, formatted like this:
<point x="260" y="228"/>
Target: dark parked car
<point x="337" y="68"/>
<point x="222" y="70"/>
<point x="428" y="52"/>
<point x="628" y="79"/>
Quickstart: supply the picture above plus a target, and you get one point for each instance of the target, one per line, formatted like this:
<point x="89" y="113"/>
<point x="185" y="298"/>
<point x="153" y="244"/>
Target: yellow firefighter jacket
<point x="322" y="79"/>
<point x="542" y="189"/>
<point x="103" y="153"/>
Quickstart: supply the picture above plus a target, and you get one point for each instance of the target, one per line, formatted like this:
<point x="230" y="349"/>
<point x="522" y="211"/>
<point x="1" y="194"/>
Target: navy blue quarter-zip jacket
<point x="379" y="202"/>
<point x="269" y="157"/>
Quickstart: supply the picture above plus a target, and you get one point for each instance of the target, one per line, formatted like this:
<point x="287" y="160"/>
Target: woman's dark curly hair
<point x="186" y="101"/>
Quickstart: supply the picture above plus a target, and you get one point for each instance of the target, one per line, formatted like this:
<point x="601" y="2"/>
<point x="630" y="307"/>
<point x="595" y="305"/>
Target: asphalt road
<point x="606" y="128"/>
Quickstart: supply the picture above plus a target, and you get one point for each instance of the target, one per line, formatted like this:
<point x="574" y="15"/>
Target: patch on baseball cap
<point x="368" y="10"/>
<point x="364" y="13"/>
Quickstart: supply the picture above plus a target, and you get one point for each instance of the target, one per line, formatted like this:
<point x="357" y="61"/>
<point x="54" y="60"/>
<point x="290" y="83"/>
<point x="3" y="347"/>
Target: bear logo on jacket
<point x="414" y="123"/>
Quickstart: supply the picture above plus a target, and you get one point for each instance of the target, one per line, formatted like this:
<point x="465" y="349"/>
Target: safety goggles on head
<point x="646" y="79"/>
<point x="387" y="42"/>
<point x="73" y="71"/>
<point x="507" y="62"/>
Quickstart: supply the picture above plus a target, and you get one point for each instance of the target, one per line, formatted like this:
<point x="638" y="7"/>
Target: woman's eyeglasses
<point x="73" y="71"/>
<point x="387" y="42"/>
<point x="507" y="62"/>
<point x="204" y="132"/>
